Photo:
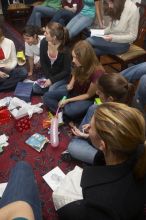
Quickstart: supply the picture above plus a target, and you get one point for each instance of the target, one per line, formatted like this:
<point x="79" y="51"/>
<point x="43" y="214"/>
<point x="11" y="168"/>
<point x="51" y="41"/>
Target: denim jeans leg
<point x="140" y="95"/>
<point x="22" y="187"/>
<point x="103" y="47"/>
<point x="88" y="116"/>
<point x="134" y="72"/>
<point x="38" y="90"/>
<point x="19" y="72"/>
<point x="76" y="110"/>
<point x="63" y="16"/>
<point x="81" y="149"/>
<point x="51" y="98"/>
<point x="78" y="23"/>
<point x="39" y="12"/>
<point x="58" y="85"/>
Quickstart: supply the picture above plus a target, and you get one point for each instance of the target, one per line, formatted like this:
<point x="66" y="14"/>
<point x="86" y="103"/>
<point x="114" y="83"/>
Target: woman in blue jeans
<point x="83" y="19"/>
<point x="121" y="31"/>
<point x="20" y="199"/>
<point x="111" y="87"/>
<point x="55" y="59"/>
<point x="82" y="87"/>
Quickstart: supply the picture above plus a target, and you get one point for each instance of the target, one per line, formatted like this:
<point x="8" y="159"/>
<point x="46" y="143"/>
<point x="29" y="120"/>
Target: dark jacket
<point x="110" y="193"/>
<point x="60" y="69"/>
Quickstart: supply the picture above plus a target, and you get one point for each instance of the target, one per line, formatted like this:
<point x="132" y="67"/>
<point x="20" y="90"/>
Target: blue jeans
<point x="40" y="12"/>
<point x="63" y="16"/>
<point x="103" y="47"/>
<point x="40" y="91"/>
<point x="22" y="187"/>
<point x="134" y="72"/>
<point x="16" y="75"/>
<point x="80" y="148"/>
<point x="78" y="23"/>
<point x="72" y="110"/>
<point x="140" y="95"/>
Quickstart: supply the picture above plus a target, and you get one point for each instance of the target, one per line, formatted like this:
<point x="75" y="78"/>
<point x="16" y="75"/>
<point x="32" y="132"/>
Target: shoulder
<point x="96" y="75"/>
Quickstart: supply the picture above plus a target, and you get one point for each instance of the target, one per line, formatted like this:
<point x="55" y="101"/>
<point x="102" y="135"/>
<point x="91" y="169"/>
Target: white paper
<point x="97" y="32"/>
<point x="54" y="178"/>
<point x="2" y="188"/>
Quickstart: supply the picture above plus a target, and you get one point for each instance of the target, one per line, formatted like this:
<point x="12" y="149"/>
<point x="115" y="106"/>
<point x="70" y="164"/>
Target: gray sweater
<point x="125" y="30"/>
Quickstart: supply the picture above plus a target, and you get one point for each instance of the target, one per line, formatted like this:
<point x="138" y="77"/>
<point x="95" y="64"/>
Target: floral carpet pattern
<point x="41" y="162"/>
<point x="18" y="150"/>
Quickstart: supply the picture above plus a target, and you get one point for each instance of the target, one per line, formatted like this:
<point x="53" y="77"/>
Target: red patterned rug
<point x="41" y="162"/>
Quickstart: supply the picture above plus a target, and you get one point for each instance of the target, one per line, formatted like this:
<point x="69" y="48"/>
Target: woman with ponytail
<point x="111" y="87"/>
<point x="117" y="189"/>
<point x="54" y="58"/>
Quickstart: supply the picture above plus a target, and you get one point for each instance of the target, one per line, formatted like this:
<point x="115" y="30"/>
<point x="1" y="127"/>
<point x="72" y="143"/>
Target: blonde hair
<point x="122" y="128"/>
<point x="88" y="60"/>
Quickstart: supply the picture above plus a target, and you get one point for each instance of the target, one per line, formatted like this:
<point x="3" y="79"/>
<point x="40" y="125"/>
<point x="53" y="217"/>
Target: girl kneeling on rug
<point x="10" y="74"/>
<point x="111" y="87"/>
<point x="117" y="189"/>
<point x="81" y="89"/>
<point x="55" y="60"/>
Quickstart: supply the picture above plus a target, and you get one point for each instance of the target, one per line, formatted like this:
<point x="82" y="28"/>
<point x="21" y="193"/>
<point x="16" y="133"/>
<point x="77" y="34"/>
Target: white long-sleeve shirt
<point x="10" y="60"/>
<point x="125" y="30"/>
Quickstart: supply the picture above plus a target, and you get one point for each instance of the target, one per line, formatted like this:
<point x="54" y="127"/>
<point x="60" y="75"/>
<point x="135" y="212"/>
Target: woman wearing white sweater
<point x="10" y="74"/>
<point x="121" y="31"/>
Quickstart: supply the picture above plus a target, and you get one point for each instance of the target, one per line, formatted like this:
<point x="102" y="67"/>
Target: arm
<point x="99" y="13"/>
<point x="31" y="65"/>
<point x="12" y="58"/>
<point x="73" y="9"/>
<point x="71" y="83"/>
<point x="43" y="52"/>
<point x="66" y="69"/>
<point x="90" y="93"/>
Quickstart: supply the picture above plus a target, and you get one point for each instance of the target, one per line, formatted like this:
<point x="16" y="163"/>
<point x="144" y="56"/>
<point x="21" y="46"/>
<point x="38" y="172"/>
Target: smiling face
<point x="30" y="39"/>
<point x="75" y="60"/>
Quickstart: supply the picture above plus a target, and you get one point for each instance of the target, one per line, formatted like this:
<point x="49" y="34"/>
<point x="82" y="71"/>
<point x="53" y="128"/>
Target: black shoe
<point x="65" y="155"/>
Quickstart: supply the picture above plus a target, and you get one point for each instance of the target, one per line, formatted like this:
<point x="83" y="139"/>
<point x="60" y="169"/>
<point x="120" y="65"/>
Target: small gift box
<point x="23" y="91"/>
<point x="4" y="115"/>
<point x="22" y="124"/>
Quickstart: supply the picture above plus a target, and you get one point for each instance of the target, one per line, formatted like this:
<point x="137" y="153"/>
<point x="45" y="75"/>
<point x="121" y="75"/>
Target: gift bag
<point x="5" y="115"/>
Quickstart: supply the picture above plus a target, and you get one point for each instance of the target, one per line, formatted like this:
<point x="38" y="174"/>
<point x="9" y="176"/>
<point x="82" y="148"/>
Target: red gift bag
<point x="23" y="124"/>
<point x="5" y="115"/>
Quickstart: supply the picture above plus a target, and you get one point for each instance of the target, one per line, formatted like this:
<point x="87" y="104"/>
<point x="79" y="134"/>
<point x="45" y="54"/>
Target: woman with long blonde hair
<point x="81" y="89"/>
<point x="114" y="190"/>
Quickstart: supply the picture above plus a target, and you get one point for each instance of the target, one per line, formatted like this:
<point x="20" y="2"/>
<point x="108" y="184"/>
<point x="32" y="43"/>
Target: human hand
<point x="62" y="103"/>
<point x="69" y="87"/>
<point x="107" y="37"/>
<point x="47" y="83"/>
<point x="79" y="133"/>
<point x="3" y="75"/>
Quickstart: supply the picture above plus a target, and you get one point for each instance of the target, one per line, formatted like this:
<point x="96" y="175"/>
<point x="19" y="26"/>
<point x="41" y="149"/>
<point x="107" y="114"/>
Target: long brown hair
<point x="116" y="11"/>
<point x="58" y="31"/>
<point x="88" y="60"/>
<point x="122" y="128"/>
<point x="117" y="86"/>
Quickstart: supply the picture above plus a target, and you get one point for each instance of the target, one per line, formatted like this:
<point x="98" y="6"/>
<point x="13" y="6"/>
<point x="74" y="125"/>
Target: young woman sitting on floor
<point x="80" y="91"/>
<point x="10" y="74"/>
<point x="111" y="87"/>
<point x="55" y="60"/>
<point x="117" y="189"/>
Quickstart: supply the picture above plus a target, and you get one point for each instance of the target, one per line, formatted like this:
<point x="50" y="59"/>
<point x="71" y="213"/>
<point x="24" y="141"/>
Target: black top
<point x="110" y="193"/>
<point x="60" y="69"/>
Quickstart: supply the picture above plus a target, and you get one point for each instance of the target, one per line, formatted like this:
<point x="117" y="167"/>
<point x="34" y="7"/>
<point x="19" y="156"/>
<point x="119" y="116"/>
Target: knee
<point x="73" y="147"/>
